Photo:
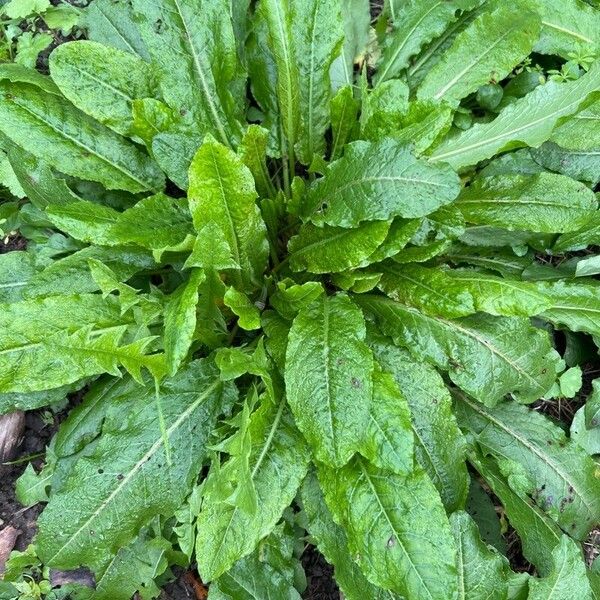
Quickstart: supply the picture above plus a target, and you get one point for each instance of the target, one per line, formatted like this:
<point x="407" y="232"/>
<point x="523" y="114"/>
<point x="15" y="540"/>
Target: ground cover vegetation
<point x="317" y="275"/>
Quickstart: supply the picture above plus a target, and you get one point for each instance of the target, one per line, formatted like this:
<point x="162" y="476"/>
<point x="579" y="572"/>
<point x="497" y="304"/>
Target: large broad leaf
<point x="328" y="377"/>
<point x="16" y="270"/>
<point x="112" y="23"/>
<point x="107" y="496"/>
<point x="55" y="131"/>
<point x="527" y="122"/>
<point x="101" y="81"/>
<point x="568" y="26"/>
<point x="378" y="181"/>
<point x="567" y="580"/>
<point x="267" y="573"/>
<point x="581" y="131"/>
<point x="194" y="47"/>
<point x="486" y="356"/>
<point x="317" y="33"/>
<point x="415" y="24"/>
<point x="389" y="442"/>
<point x="488" y="49"/>
<point x="461" y="292"/>
<point x="583" y="165"/>
<point x="333" y="249"/>
<point x="72" y="273"/>
<point x="481" y="569"/>
<point x="541" y="461"/>
<point x="332" y="542"/>
<point x="277" y="462"/>
<point x="439" y="443"/>
<point x="574" y="305"/>
<point x="578" y="240"/>
<point x="156" y="223"/>
<point x="546" y="203"/>
<point x="222" y="193"/>
<point x="396" y="526"/>
<point x="282" y="62"/>
<point x="42" y="185"/>
<point x="537" y="531"/>
<point x="30" y="356"/>
<point x="85" y="221"/>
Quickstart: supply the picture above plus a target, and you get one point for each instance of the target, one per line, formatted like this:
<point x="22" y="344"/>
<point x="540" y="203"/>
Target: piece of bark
<point x="11" y="434"/>
<point x="8" y="537"/>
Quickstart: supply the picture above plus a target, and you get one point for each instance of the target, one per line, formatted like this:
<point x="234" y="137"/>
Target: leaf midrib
<point x="532" y="448"/>
<point x="136" y="467"/>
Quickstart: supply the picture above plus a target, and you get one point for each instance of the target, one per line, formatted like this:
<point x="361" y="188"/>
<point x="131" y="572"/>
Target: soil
<point x="319" y="575"/>
<point x="37" y="434"/>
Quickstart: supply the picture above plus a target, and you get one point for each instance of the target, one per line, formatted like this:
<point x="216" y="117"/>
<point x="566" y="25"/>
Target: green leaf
<point x="356" y="21"/>
<point x="568" y="578"/>
<point x="415" y="24"/>
<point x="335" y="249"/>
<point x="578" y="240"/>
<point x="16" y="270"/>
<point x="247" y="312"/>
<point x="378" y="181"/>
<point x="265" y="573"/>
<point x="102" y="81"/>
<point x="180" y="320"/>
<point x="592" y="406"/>
<point x="560" y="476"/>
<point x="583" y="165"/>
<point x="545" y="203"/>
<point x="278" y="462"/>
<point x="481" y="569"/>
<point x="316" y="29"/>
<point x="328" y="377"/>
<point x="588" y="439"/>
<point x="134" y="569"/>
<point x="568" y="26"/>
<point x="197" y="61"/>
<point x="537" y="531"/>
<point x="21" y="9"/>
<point x="41" y="185"/>
<point x="439" y="444"/>
<point x="344" y="118"/>
<point x="580" y="132"/>
<point x="487" y="50"/>
<point x="85" y="221"/>
<point x="276" y="16"/>
<point x="72" y="273"/>
<point x="485" y="356"/>
<point x="155" y="223"/>
<point x="572" y="304"/>
<point x="29" y="46"/>
<point x="429" y="290"/>
<point x="397" y="527"/>
<point x="112" y="23"/>
<point x="58" y="133"/>
<point x="332" y="542"/>
<point x="106" y="498"/>
<point x="482" y="509"/>
<point x="222" y="192"/>
<point x="528" y="121"/>
<point x="253" y="152"/>
<point x="290" y="299"/>
<point x="388" y="442"/>
<point x="29" y="359"/>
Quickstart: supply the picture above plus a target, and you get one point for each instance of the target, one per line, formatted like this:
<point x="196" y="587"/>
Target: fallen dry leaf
<point x="11" y="433"/>
<point x="8" y="537"/>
